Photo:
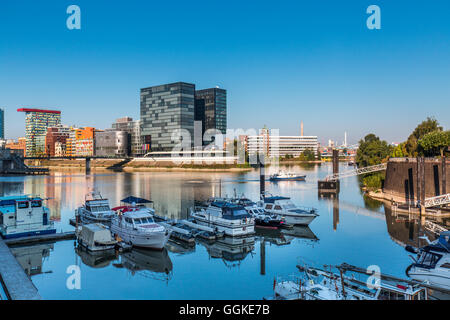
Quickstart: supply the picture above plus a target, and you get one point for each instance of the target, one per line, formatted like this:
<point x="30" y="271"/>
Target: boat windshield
<point x="287" y="204"/>
<point x="237" y="213"/>
<point x="98" y="208"/>
<point x="143" y="220"/>
<point x="429" y="260"/>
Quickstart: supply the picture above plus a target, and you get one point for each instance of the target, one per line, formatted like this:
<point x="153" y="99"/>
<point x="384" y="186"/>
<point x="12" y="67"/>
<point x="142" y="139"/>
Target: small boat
<point x="287" y="176"/>
<point x="135" y="226"/>
<point x="262" y="218"/>
<point x="23" y="216"/>
<point x="351" y="163"/>
<point x="284" y="207"/>
<point x="95" y="209"/>
<point x="432" y="264"/>
<point x="226" y="217"/>
<point x="324" y="284"/>
<point x="95" y="237"/>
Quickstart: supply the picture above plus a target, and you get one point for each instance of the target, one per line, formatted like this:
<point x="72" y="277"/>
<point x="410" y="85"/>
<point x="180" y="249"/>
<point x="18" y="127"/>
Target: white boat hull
<point x="151" y="240"/>
<point x="238" y="230"/>
<point x="437" y="279"/>
<point x="302" y="219"/>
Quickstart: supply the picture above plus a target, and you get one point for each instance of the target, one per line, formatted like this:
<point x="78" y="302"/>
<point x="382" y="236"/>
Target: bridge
<point x="356" y="172"/>
<point x="437" y="201"/>
<point x="88" y="159"/>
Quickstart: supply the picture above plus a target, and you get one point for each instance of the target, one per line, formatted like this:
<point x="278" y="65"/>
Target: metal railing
<point x="356" y="172"/>
<point x="437" y="201"/>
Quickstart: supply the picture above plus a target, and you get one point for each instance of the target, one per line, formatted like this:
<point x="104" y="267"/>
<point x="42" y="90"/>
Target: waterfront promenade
<point x="17" y="284"/>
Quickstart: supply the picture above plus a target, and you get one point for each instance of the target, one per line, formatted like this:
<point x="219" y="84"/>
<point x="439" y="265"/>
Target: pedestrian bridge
<point x="356" y="172"/>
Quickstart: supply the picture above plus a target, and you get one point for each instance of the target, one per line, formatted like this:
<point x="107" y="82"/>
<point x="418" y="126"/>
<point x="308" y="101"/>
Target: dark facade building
<point x="164" y="109"/>
<point x="2" y="123"/>
<point x="211" y="109"/>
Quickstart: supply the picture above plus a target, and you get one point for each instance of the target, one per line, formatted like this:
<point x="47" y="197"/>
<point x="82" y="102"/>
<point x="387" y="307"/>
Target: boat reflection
<point x="231" y="250"/>
<point x="274" y="236"/>
<point x="31" y="258"/>
<point x="99" y="259"/>
<point x="148" y="263"/>
<point x="302" y="232"/>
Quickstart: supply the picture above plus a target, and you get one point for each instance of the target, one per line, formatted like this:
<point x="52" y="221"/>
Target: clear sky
<point x="282" y="62"/>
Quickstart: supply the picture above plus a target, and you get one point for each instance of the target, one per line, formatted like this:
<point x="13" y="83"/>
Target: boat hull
<point x="433" y="278"/>
<point x="233" y="231"/>
<point x="299" y="178"/>
<point x="301" y="219"/>
<point x="152" y="240"/>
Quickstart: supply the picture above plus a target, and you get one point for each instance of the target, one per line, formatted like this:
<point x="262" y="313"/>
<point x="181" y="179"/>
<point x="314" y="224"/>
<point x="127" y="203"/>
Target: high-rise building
<point x="133" y="128"/>
<point x="164" y="109"/>
<point x="211" y="109"/>
<point x="37" y="121"/>
<point x="2" y="123"/>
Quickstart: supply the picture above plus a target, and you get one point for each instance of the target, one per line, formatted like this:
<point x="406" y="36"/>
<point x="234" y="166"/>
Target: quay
<point x="11" y="163"/>
<point x="16" y="283"/>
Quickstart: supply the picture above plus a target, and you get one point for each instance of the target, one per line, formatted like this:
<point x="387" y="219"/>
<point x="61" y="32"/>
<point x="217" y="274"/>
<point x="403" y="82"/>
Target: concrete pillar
<point x="262" y="179"/>
<point x="335" y="161"/>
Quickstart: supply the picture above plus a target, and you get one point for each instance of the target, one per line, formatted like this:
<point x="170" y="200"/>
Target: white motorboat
<point x="284" y="207"/>
<point x="432" y="265"/>
<point x="287" y="176"/>
<point x="262" y="218"/>
<point x="23" y="216"/>
<point x="135" y="226"/>
<point x="95" y="209"/>
<point x="319" y="284"/>
<point x="226" y="217"/>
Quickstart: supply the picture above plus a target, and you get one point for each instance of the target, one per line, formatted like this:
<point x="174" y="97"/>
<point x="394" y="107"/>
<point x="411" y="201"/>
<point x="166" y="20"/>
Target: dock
<point x="41" y="238"/>
<point x="16" y="283"/>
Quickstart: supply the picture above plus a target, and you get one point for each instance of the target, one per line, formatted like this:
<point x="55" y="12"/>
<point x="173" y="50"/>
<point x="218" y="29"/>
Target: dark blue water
<point x="350" y="229"/>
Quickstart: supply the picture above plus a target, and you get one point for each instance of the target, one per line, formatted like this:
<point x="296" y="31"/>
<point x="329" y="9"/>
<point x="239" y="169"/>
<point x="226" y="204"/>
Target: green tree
<point x="427" y="126"/>
<point x="400" y="151"/>
<point x="434" y="143"/>
<point x="308" y="155"/>
<point x="372" y="151"/>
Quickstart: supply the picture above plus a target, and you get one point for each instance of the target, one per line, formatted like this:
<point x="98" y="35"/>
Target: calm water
<point x="351" y="230"/>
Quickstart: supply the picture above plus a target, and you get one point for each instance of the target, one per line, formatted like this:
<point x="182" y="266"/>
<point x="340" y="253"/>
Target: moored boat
<point x="23" y="216"/>
<point x="95" y="209"/>
<point x="292" y="214"/>
<point x="287" y="176"/>
<point x="135" y="226"/>
<point x="226" y="217"/>
<point x="432" y="264"/>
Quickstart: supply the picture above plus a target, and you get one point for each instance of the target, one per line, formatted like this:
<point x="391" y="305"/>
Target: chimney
<point x="301" y="129"/>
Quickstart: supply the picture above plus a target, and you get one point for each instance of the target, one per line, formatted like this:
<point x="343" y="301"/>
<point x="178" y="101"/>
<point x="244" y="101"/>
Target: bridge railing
<point x="356" y="172"/>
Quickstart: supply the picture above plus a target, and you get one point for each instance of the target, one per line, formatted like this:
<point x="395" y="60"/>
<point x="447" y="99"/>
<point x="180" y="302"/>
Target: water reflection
<point x="97" y="260"/>
<point x="231" y="250"/>
<point x="147" y="263"/>
<point x="31" y="258"/>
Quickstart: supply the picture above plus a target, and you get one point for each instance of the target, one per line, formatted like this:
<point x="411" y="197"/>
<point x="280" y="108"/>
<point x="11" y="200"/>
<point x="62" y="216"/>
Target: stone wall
<point x="401" y="178"/>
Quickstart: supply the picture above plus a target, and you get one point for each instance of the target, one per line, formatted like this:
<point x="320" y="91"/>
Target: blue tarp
<point x="136" y="200"/>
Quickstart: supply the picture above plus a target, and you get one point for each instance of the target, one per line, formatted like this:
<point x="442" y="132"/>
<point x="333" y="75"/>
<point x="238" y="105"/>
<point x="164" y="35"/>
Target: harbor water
<point x="350" y="229"/>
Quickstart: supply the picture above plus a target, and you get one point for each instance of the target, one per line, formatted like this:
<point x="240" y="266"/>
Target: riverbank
<point x="134" y="166"/>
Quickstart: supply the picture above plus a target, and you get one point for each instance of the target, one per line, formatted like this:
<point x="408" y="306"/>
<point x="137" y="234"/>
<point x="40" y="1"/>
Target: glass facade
<point x="133" y="128"/>
<point x="37" y="122"/>
<point x="2" y="123"/>
<point x="211" y="105"/>
<point x="164" y="109"/>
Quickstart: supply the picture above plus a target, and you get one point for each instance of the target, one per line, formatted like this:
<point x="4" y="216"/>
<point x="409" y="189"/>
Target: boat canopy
<point x="135" y="200"/>
<point x="444" y="239"/>
<point x="273" y="199"/>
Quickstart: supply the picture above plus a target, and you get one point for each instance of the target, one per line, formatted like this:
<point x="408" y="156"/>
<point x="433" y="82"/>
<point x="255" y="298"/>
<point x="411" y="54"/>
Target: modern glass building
<point x="164" y="109"/>
<point x="211" y="109"/>
<point x="133" y="128"/>
<point x="37" y="121"/>
<point x="2" y="123"/>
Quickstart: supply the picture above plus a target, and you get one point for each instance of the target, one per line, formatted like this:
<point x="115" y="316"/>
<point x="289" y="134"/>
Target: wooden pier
<point x="16" y="283"/>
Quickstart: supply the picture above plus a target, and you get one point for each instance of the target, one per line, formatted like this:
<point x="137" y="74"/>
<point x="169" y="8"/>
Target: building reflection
<point x="31" y="258"/>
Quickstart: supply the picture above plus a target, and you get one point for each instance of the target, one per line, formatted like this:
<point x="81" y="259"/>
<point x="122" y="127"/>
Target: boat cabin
<point x="229" y="211"/>
<point x="24" y="215"/>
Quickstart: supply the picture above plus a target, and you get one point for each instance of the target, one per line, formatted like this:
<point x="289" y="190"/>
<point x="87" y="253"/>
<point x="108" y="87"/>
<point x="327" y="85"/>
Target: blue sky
<point x="282" y="62"/>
